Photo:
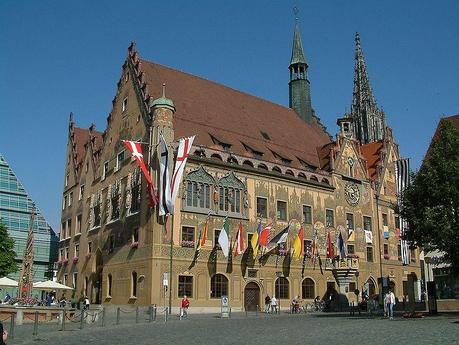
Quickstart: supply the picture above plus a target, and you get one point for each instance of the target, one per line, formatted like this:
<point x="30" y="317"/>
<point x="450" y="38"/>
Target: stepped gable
<point x="221" y="116"/>
<point x="371" y="152"/>
<point x="81" y="137"/>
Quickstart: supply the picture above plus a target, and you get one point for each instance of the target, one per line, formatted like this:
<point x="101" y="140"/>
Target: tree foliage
<point x="7" y="262"/>
<point x="431" y="203"/>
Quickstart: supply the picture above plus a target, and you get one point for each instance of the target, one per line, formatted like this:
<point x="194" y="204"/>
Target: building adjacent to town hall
<point x="251" y="161"/>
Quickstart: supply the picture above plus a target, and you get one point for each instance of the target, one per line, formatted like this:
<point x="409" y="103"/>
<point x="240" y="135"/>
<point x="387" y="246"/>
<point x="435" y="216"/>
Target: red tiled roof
<point x="206" y="108"/>
<point x="371" y="153"/>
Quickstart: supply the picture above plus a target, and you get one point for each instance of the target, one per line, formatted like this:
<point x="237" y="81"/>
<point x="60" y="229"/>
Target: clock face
<point x="352" y="193"/>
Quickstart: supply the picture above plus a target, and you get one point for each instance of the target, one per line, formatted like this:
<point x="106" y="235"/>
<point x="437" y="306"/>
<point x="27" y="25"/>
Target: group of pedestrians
<point x="389" y="304"/>
<point x="271" y="305"/>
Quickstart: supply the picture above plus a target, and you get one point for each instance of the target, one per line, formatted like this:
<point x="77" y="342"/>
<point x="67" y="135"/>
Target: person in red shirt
<point x="185" y="305"/>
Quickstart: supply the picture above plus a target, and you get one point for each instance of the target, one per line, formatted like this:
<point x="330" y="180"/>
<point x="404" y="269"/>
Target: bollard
<point x="180" y="315"/>
<point x="12" y="326"/>
<point x="118" y="316"/>
<point x="35" y="324"/>
<point x="245" y="311"/>
<point x="63" y="320"/>
<point x="82" y="318"/>
<point x="155" y="310"/>
<point x="137" y="314"/>
<point x="150" y="313"/>
<point x="103" y="317"/>
<point x="256" y="311"/>
<point x="229" y="313"/>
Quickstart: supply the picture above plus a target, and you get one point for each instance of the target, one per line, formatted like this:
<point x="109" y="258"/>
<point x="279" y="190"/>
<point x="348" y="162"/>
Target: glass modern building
<point x="15" y="210"/>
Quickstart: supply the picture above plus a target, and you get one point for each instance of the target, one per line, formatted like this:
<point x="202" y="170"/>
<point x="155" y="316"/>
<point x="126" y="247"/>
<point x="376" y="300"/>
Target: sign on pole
<point x="225" y="309"/>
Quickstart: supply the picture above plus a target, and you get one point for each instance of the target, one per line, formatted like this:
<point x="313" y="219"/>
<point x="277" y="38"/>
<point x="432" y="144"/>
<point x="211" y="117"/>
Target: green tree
<point x="7" y="262"/>
<point x="431" y="203"/>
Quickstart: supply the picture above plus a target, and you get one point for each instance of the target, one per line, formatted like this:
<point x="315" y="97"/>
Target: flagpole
<point x="170" y="259"/>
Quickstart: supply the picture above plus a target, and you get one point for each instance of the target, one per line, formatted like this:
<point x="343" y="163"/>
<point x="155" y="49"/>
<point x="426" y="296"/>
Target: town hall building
<point x="251" y="161"/>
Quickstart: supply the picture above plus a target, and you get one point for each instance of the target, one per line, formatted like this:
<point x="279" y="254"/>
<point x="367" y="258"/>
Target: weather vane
<point x="295" y="12"/>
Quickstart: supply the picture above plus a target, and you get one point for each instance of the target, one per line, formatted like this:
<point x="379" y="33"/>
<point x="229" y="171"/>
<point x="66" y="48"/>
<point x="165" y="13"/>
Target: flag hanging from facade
<point x="204" y="233"/>
<point x="136" y="151"/>
<point x="164" y="180"/>
<point x="254" y="241"/>
<point x="341" y="246"/>
<point x="239" y="246"/>
<point x="298" y="244"/>
<point x="223" y="238"/>
<point x="199" y="245"/>
<point x="182" y="156"/>
<point x="264" y="235"/>
<point x="280" y="238"/>
<point x="368" y="237"/>
<point x="330" y="252"/>
<point x="402" y="177"/>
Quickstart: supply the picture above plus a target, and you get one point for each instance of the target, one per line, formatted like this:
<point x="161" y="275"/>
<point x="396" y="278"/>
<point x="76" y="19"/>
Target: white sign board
<point x="166" y="279"/>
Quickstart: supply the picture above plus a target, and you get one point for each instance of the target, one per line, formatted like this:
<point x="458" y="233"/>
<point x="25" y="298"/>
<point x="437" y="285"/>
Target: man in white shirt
<point x="390" y="302"/>
<point x="274" y="304"/>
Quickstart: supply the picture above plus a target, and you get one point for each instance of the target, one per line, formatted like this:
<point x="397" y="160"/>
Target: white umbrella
<point x="7" y="282"/>
<point x="50" y="285"/>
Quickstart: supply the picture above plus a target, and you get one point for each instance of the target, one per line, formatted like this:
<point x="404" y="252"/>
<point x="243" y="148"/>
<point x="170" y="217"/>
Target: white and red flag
<point x="136" y="150"/>
<point x="239" y="247"/>
<point x="182" y="156"/>
<point x="264" y="235"/>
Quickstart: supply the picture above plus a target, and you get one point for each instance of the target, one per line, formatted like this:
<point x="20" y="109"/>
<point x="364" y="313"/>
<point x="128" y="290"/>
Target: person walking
<point x="390" y="304"/>
<point x="267" y="304"/>
<point x="185" y="305"/>
<point x="4" y="335"/>
<point x="86" y="303"/>
<point x="274" y="305"/>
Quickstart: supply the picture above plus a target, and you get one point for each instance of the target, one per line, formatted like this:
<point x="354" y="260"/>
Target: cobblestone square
<point x="252" y="329"/>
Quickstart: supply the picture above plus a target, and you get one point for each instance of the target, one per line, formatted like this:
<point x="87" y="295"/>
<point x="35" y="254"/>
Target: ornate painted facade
<point x="243" y="166"/>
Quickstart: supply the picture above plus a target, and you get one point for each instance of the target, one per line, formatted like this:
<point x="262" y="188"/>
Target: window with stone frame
<point x="232" y="193"/>
<point x="188" y="236"/>
<point x="115" y="200"/>
<point x="329" y="218"/>
<point x="350" y="249"/>
<point x="367" y="223"/>
<point x="369" y="254"/>
<point x="307" y="214"/>
<point x="349" y="221"/>
<point x="218" y="286"/>
<point x="281" y="210"/>
<point x="282" y="288"/>
<point x="185" y="286"/>
<point x="262" y="207"/>
<point x="308" y="288"/>
<point x="384" y="219"/>
<point x="199" y="185"/>
<point x="135" y="191"/>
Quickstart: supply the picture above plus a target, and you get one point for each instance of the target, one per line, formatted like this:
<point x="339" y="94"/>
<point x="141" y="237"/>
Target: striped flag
<point x="254" y="241"/>
<point x="341" y="246"/>
<point x="182" y="156"/>
<point x="280" y="238"/>
<point x="164" y="181"/>
<point x="264" y="235"/>
<point x="402" y="177"/>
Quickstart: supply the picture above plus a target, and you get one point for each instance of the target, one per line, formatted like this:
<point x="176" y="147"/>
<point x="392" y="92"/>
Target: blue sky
<point x="62" y="56"/>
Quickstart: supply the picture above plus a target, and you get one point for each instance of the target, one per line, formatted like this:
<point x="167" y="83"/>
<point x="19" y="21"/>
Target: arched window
<point x="232" y="160"/>
<point x="371" y="287"/>
<point x="324" y="180"/>
<point x="262" y="166"/>
<point x="308" y="288"/>
<point x="314" y="178"/>
<point x="216" y="157"/>
<point x="282" y="288"/>
<point x="277" y="170"/>
<point x="199" y="185"/>
<point x="134" y="284"/>
<point x="302" y="176"/>
<point x="289" y="172"/>
<point x="247" y="163"/>
<point x="218" y="286"/>
<point x="231" y="191"/>
<point x="109" y="285"/>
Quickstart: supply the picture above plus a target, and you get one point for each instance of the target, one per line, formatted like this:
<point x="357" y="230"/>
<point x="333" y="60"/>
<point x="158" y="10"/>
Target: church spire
<point x="299" y="88"/>
<point x="369" y="123"/>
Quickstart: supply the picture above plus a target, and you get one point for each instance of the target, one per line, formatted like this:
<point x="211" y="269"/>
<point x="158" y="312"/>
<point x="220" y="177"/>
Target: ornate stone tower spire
<point x="26" y="273"/>
<point x="369" y="122"/>
<point x="299" y="89"/>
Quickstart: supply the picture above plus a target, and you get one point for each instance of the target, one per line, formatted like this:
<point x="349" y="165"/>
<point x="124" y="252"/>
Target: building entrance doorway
<point x="97" y="286"/>
<point x="251" y="296"/>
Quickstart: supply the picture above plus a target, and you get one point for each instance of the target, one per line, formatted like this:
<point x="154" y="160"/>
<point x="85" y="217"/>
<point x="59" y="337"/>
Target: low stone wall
<point x="447" y="305"/>
<point x="27" y="314"/>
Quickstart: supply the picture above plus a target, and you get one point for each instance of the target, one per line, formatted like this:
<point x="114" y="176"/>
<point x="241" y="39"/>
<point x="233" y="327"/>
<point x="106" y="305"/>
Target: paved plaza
<point x="319" y="328"/>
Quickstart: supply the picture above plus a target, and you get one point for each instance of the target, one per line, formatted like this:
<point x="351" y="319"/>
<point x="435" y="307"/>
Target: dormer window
<point x="255" y="152"/>
<point x="265" y="135"/>
<point x="224" y="145"/>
